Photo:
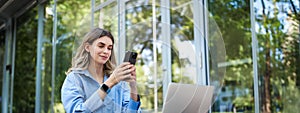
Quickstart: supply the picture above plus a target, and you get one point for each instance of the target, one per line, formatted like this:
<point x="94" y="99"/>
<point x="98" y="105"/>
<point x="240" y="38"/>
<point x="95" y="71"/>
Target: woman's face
<point x="100" y="50"/>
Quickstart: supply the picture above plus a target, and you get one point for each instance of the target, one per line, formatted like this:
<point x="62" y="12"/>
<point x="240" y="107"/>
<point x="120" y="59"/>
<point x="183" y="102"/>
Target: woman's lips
<point x="104" y="57"/>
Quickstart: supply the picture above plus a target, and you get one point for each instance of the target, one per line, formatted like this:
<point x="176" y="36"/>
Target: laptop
<point x="188" y="98"/>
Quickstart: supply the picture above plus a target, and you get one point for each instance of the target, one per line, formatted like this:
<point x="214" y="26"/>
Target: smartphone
<point x="130" y="57"/>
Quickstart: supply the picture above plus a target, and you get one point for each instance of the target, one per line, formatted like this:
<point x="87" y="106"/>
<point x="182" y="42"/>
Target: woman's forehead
<point x="104" y="40"/>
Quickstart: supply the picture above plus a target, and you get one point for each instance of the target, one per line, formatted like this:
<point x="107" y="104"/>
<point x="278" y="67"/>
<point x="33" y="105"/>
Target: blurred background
<point x="247" y="49"/>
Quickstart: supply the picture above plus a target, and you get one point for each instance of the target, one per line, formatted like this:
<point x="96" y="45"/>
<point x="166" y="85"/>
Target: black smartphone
<point x="130" y="57"/>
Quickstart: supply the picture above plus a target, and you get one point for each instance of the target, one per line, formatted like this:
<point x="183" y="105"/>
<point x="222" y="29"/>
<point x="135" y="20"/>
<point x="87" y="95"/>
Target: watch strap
<point x="105" y="88"/>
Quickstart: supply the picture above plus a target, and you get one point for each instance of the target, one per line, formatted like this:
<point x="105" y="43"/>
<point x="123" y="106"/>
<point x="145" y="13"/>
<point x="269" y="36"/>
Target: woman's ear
<point x="87" y="47"/>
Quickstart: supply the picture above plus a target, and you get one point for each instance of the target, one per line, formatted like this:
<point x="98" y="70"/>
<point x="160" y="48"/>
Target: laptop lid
<point x="188" y="98"/>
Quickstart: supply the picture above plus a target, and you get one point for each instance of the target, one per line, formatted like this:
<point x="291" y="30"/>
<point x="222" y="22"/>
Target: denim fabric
<point x="79" y="93"/>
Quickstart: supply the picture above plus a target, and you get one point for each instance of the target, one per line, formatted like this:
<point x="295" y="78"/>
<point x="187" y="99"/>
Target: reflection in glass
<point x="139" y="37"/>
<point x="233" y="20"/>
<point x="25" y="63"/>
<point x="138" y="25"/>
<point x="73" y="22"/>
<point x="277" y="29"/>
<point x="107" y="18"/>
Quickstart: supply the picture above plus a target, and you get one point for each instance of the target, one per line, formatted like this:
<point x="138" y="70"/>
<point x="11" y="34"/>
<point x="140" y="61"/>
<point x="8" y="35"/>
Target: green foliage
<point x="273" y="40"/>
<point x="72" y="24"/>
<point x="25" y="63"/>
<point x="281" y="46"/>
<point x="233" y="20"/>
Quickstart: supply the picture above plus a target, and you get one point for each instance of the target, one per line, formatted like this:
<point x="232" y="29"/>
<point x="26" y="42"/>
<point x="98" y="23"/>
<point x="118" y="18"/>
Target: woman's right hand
<point x="121" y="73"/>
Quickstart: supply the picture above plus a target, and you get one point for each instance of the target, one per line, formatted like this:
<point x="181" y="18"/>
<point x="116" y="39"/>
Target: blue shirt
<point x="79" y="93"/>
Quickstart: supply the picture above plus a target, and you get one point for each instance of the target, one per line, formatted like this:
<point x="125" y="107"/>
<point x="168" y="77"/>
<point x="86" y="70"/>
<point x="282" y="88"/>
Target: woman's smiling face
<point x="100" y="50"/>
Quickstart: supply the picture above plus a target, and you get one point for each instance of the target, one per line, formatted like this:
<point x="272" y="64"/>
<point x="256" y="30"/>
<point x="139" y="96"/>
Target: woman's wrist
<point x="133" y="88"/>
<point x="110" y="82"/>
<point x="134" y="94"/>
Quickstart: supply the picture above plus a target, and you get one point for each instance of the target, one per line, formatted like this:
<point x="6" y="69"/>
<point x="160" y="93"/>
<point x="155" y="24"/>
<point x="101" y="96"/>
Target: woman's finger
<point x="124" y="64"/>
<point x="126" y="77"/>
<point x="128" y="66"/>
<point x="131" y="79"/>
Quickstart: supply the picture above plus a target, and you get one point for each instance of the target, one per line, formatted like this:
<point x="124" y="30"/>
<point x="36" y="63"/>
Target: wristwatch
<point x="105" y="88"/>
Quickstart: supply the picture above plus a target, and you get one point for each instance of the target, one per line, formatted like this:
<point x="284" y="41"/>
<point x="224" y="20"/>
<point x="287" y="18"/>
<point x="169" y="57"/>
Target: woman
<point x="93" y="84"/>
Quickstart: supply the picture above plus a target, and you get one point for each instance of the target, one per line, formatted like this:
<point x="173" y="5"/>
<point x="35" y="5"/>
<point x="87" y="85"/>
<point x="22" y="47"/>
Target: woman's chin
<point x="102" y="62"/>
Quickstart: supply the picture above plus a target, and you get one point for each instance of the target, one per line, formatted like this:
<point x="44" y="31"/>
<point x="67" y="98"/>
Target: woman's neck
<point x="97" y="71"/>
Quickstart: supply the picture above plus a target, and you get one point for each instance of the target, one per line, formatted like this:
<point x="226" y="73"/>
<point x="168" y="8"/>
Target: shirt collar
<point x="86" y="73"/>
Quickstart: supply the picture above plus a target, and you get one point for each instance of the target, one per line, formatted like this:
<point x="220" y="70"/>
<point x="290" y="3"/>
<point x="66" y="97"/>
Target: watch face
<point x="105" y="88"/>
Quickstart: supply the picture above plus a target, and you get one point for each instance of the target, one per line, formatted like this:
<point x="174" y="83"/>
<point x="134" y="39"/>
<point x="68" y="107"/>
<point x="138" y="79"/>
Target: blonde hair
<point x="81" y="59"/>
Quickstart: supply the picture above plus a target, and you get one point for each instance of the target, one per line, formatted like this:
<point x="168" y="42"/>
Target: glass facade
<point x="247" y="49"/>
<point x="25" y="66"/>
<point x="277" y="29"/>
<point x="234" y="21"/>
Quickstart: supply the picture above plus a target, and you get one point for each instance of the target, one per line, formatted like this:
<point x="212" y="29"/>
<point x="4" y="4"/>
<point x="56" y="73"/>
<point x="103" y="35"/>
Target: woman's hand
<point x="133" y="86"/>
<point x="124" y="72"/>
<point x="132" y="83"/>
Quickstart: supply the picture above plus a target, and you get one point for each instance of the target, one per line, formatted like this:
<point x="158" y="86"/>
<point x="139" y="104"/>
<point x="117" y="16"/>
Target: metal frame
<point x="40" y="33"/>
<point x="7" y="61"/>
<point x="200" y="43"/>
<point x="154" y="54"/>
<point x="205" y="31"/>
<point x="254" y="58"/>
<point x="166" y="50"/>
<point x="13" y="64"/>
<point x="121" y="30"/>
<point x="53" y="56"/>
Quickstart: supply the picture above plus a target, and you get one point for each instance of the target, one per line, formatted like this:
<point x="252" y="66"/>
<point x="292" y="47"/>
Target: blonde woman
<point x="94" y="84"/>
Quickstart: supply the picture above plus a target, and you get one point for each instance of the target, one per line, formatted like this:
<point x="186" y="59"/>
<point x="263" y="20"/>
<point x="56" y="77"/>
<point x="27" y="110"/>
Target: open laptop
<point x="188" y="98"/>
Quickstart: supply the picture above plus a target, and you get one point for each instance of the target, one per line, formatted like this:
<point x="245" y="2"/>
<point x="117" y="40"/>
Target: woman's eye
<point x="109" y="48"/>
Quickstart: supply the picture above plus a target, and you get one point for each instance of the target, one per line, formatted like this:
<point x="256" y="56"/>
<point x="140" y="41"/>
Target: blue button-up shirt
<point x="79" y="93"/>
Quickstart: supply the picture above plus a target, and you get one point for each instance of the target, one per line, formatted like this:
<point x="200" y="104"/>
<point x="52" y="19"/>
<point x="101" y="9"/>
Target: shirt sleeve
<point x="129" y="105"/>
<point x="73" y="98"/>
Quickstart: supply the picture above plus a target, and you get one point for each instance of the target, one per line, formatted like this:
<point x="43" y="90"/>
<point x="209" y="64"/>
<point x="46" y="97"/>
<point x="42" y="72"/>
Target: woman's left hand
<point x="132" y="84"/>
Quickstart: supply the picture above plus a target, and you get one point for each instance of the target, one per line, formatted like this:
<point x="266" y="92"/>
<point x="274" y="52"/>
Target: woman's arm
<point x="129" y="104"/>
<point x="74" y="99"/>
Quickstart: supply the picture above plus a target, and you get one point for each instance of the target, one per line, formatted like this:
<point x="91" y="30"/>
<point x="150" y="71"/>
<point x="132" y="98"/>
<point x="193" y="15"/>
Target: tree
<point x="278" y="45"/>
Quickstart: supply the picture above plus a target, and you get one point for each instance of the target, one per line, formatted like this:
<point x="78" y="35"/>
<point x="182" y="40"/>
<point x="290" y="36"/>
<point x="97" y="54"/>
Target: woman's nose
<point x="105" y="50"/>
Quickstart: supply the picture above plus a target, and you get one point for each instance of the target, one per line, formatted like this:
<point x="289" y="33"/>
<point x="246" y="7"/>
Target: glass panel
<point x="98" y="2"/>
<point x="46" y="75"/>
<point x="139" y="38"/>
<point x="182" y="7"/>
<point x="233" y="20"/>
<point x="107" y="18"/>
<point x="2" y="53"/>
<point x="182" y="41"/>
<point x="277" y="29"/>
<point x="72" y="24"/>
<point x="25" y="63"/>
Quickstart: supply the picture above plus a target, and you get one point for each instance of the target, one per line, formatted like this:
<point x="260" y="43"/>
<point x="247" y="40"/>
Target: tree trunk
<point x="298" y="64"/>
<point x="266" y="107"/>
<point x="267" y="93"/>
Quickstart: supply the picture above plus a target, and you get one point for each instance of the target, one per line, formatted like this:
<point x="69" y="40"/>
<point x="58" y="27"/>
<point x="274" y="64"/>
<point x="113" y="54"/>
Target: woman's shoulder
<point x="76" y="77"/>
<point x="75" y="74"/>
